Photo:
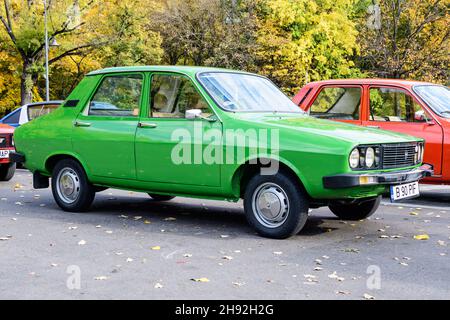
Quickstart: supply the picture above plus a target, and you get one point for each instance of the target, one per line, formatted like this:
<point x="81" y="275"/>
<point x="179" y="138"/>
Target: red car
<point x="7" y="168"/>
<point x="416" y="108"/>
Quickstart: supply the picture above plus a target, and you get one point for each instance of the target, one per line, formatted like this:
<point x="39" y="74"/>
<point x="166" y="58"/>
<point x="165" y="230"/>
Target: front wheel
<point x="356" y="210"/>
<point x="70" y="187"/>
<point x="7" y="171"/>
<point x="275" y="206"/>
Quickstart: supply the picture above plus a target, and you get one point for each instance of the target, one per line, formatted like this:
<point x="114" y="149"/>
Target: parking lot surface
<point x="130" y="247"/>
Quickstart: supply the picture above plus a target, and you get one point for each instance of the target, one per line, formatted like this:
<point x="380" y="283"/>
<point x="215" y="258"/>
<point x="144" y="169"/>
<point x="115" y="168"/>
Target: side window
<point x="395" y="105"/>
<point x="337" y="103"/>
<point x="117" y="96"/>
<point x="13" y="117"/>
<point x="40" y="110"/>
<point x="172" y="95"/>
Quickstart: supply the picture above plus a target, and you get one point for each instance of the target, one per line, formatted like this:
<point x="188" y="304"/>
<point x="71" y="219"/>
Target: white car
<point x="29" y="112"/>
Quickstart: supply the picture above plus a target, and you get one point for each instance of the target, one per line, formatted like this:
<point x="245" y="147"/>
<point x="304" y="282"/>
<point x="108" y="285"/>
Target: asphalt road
<point x="129" y="247"/>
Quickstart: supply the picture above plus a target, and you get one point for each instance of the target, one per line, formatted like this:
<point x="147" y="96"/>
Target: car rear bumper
<point x="388" y="178"/>
<point x="6" y="160"/>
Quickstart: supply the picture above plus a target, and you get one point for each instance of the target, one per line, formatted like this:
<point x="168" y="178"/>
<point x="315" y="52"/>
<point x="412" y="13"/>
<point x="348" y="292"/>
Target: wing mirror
<point x="193" y="113"/>
<point x="197" y="113"/>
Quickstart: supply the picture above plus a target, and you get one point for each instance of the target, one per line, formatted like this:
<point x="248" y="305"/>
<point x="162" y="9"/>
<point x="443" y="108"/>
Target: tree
<point x="207" y="32"/>
<point x="407" y="39"/>
<point x="307" y="40"/>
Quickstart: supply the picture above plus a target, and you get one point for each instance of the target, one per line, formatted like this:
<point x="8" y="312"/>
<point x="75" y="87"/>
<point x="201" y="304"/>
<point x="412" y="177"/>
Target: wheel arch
<point x="250" y="167"/>
<point x="53" y="159"/>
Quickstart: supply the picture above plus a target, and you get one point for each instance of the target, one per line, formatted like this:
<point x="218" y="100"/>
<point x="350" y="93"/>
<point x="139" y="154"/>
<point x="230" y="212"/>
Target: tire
<point x="7" y="171"/>
<point x="289" y="205"/>
<point x="355" y="211"/>
<point x="160" y="197"/>
<point x="70" y="186"/>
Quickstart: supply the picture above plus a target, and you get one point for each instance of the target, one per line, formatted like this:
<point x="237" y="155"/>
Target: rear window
<point x="12" y="117"/>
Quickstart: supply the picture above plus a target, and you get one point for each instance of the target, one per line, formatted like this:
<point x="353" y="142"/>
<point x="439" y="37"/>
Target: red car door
<point x="395" y="109"/>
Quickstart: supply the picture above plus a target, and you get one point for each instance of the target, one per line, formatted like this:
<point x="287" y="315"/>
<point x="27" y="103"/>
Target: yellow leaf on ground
<point x="156" y="248"/>
<point x="422" y="237"/>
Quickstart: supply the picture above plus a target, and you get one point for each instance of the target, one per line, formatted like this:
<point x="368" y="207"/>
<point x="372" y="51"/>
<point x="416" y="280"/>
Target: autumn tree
<point x="207" y="32"/>
<point x="306" y="40"/>
<point x="406" y="39"/>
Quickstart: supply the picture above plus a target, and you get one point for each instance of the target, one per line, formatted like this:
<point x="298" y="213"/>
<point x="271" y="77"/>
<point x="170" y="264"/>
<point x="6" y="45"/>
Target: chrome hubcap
<point x="270" y="205"/>
<point x="68" y="185"/>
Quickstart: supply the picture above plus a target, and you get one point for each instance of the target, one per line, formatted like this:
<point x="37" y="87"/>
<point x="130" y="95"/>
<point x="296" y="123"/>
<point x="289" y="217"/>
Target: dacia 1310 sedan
<point x="216" y="134"/>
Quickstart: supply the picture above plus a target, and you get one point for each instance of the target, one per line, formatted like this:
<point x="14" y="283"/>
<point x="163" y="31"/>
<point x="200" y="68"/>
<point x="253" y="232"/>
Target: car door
<point x="395" y="109"/>
<point x="337" y="102"/>
<point x="171" y="148"/>
<point x="104" y="132"/>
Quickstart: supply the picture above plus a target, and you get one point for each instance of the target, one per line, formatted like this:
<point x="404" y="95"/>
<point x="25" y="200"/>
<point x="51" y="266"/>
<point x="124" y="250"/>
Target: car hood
<point x="302" y="123"/>
<point x="4" y="128"/>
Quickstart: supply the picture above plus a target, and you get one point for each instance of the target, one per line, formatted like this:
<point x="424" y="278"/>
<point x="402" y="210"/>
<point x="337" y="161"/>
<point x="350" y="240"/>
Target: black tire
<point x="355" y="211"/>
<point x="84" y="189"/>
<point x="160" y="197"/>
<point x="7" y="171"/>
<point x="288" y="200"/>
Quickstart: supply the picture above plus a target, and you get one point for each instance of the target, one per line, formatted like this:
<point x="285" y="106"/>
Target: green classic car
<point x="217" y="134"/>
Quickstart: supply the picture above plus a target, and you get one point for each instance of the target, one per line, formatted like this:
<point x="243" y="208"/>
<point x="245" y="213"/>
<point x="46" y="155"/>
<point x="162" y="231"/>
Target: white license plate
<point x="4" y="154"/>
<point x="405" y="191"/>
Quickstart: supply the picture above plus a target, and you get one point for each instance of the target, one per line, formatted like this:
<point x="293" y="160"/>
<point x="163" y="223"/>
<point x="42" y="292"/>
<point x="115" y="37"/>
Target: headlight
<point x="370" y="157"/>
<point x="354" y="159"/>
<point x="421" y="151"/>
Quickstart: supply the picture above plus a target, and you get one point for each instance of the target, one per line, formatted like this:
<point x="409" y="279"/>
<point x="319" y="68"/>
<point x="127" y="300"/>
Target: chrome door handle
<point x="81" y="124"/>
<point x="147" y="125"/>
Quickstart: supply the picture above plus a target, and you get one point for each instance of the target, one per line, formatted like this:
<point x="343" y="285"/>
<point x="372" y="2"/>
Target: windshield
<point x="239" y="92"/>
<point x="437" y="97"/>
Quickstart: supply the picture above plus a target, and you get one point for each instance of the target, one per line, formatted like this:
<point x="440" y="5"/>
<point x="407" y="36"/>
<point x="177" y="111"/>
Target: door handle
<point x="147" y="125"/>
<point x="81" y="124"/>
<point x="373" y="127"/>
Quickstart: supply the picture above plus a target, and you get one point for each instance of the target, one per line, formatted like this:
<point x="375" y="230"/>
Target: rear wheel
<point x="7" y="171"/>
<point x="275" y="206"/>
<point x="357" y="210"/>
<point x="70" y="186"/>
<point x="160" y="197"/>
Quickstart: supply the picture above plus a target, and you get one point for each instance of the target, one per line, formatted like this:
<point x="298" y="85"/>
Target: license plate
<point x="4" y="154"/>
<point x="405" y="191"/>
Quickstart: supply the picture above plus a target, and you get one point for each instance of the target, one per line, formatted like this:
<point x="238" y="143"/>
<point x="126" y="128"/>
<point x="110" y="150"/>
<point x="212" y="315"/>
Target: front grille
<point x="399" y="155"/>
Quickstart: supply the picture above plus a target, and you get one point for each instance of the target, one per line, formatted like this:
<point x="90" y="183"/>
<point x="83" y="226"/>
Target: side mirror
<point x="193" y="113"/>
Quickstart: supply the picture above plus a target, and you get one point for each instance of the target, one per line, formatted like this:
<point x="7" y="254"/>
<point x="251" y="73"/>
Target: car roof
<point x="185" y="69"/>
<point x="43" y="103"/>
<point x="375" y="81"/>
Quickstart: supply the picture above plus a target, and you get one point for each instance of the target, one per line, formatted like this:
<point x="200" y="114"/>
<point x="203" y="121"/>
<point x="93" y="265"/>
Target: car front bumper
<point x="368" y="179"/>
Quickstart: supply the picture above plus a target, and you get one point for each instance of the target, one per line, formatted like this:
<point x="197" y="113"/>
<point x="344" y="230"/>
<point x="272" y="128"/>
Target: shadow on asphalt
<point x="203" y="219"/>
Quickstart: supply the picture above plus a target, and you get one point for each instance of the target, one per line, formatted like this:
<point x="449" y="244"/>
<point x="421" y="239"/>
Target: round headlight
<point x="370" y="157"/>
<point x="354" y="158"/>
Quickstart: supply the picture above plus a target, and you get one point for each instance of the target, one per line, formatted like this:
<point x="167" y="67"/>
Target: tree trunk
<point x="26" y="84"/>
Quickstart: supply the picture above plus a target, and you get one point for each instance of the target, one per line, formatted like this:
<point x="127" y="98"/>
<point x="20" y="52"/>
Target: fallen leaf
<point x="170" y="219"/>
<point x="130" y="259"/>
<point x="227" y="257"/>
<point x="224" y="236"/>
<point x="158" y="286"/>
<point x="147" y="221"/>
<point x="187" y="255"/>
<point x="335" y="276"/>
<point x="101" y="278"/>
<point x="81" y="242"/>
<point x="108" y="231"/>
<point x="441" y="243"/>
<point x="200" y="279"/>
<point x="422" y="237"/>
<point x="238" y="284"/>
<point x="368" y="296"/>
<point x="137" y="218"/>
<point x="278" y="252"/>
<point x="413" y="213"/>
<point x="156" y="248"/>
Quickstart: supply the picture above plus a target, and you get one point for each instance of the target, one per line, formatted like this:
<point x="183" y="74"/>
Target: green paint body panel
<point x="115" y="152"/>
